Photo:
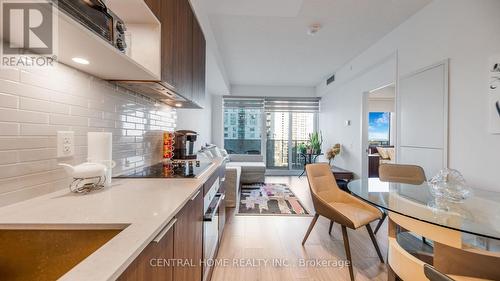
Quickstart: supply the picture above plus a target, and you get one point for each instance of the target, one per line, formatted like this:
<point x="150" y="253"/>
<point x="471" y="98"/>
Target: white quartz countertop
<point x="141" y="207"/>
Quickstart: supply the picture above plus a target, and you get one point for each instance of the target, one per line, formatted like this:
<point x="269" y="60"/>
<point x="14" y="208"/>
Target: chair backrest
<point x="322" y="183"/>
<point x="433" y="275"/>
<point x="410" y="174"/>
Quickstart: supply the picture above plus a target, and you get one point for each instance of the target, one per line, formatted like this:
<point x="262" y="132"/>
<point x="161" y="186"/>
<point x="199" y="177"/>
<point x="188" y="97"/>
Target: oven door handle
<point x="210" y="216"/>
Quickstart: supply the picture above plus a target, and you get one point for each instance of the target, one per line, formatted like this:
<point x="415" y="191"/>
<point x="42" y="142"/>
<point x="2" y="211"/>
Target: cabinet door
<point x="167" y="19"/>
<point x="199" y="62"/>
<point x="188" y="244"/>
<point x="183" y="48"/>
<point x="150" y="265"/>
<point x="155" y="7"/>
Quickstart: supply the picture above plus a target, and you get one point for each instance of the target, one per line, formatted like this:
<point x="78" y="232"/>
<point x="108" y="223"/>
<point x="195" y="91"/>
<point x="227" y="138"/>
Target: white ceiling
<point x="265" y="42"/>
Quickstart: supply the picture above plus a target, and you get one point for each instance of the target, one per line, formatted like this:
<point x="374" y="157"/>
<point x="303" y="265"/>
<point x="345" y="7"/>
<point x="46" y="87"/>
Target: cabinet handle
<point x="164" y="231"/>
<point x="196" y="195"/>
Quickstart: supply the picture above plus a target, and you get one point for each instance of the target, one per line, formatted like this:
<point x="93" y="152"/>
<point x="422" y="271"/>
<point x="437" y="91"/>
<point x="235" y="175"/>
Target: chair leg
<point x="313" y="222"/>
<point x="380" y="222"/>
<point x="331" y="226"/>
<point x="348" y="252"/>
<point x="374" y="241"/>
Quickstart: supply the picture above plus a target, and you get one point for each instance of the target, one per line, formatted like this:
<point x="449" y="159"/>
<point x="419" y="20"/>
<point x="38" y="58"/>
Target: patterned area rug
<point x="269" y="199"/>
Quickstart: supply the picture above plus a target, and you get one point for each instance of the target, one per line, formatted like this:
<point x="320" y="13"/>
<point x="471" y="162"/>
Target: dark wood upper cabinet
<point x="188" y="235"/>
<point x="168" y="26"/>
<point x="155" y="6"/>
<point x="183" y="48"/>
<point x="199" y="63"/>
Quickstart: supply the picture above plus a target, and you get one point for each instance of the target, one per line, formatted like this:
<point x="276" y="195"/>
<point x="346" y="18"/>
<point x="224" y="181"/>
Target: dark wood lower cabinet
<point x="150" y="264"/>
<point x="177" y="254"/>
<point x="188" y="237"/>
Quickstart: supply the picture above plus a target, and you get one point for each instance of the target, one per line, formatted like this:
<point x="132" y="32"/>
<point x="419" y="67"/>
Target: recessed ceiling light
<point x="178" y="104"/>
<point x="313" y="29"/>
<point x="80" y="61"/>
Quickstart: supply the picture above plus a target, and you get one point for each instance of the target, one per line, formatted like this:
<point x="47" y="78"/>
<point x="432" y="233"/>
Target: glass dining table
<point x="467" y="233"/>
<point x="478" y="215"/>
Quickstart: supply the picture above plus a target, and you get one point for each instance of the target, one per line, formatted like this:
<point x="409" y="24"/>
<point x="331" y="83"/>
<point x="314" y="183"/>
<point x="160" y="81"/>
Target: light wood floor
<point x="280" y="237"/>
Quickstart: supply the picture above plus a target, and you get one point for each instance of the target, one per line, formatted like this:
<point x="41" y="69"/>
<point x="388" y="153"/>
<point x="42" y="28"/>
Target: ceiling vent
<point x="330" y="80"/>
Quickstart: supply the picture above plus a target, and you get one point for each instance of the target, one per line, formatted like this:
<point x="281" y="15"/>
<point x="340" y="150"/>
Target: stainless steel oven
<point x="211" y="203"/>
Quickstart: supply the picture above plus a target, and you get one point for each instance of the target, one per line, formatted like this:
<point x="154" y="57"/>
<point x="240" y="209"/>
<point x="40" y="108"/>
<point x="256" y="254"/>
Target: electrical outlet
<point x="65" y="144"/>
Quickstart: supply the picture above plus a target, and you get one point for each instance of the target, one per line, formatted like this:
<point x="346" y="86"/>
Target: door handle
<point x="210" y="216"/>
<point x="196" y="195"/>
<point x="164" y="231"/>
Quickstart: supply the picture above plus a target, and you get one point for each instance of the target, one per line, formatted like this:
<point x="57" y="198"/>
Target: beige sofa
<point x="253" y="168"/>
<point x="240" y="169"/>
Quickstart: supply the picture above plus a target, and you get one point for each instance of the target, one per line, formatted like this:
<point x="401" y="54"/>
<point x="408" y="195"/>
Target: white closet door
<point x="423" y="119"/>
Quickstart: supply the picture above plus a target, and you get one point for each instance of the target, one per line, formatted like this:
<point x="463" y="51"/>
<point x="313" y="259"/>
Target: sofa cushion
<point x="248" y="166"/>
<point x="245" y="158"/>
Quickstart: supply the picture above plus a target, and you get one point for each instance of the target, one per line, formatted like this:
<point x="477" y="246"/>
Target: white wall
<point x="463" y="30"/>
<point x="198" y="120"/>
<point x="217" y="121"/>
<point x="272" y="91"/>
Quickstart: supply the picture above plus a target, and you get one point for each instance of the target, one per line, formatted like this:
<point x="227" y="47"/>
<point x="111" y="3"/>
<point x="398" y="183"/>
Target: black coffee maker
<point x="184" y="145"/>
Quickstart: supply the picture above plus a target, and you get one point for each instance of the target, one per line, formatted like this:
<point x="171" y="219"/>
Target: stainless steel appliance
<point x="211" y="220"/>
<point x="170" y="169"/>
<point x="184" y="144"/>
<point x="95" y="16"/>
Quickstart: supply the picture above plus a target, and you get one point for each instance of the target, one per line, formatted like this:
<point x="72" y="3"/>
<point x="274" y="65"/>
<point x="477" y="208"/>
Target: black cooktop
<point x="171" y="169"/>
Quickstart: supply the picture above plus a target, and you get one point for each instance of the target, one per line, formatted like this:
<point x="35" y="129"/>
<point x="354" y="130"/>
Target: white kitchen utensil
<point x="86" y="176"/>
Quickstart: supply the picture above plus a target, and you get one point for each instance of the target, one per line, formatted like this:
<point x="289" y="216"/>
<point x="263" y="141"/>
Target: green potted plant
<point x="316" y="140"/>
<point x="302" y="148"/>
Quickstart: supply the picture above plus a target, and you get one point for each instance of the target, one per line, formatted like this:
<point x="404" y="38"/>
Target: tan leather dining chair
<point x="410" y="174"/>
<point x="339" y="206"/>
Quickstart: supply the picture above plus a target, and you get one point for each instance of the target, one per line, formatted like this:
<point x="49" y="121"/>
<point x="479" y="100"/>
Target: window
<point x="276" y="125"/>
<point x="245" y="125"/>
<point x="379" y="130"/>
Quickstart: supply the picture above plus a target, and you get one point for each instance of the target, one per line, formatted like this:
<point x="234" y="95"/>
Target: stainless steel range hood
<point x="159" y="91"/>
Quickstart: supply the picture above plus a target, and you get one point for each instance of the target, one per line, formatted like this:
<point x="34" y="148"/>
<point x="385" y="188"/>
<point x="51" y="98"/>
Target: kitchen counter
<point x="141" y="207"/>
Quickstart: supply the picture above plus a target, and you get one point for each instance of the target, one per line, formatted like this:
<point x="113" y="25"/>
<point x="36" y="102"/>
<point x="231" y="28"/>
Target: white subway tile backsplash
<point x="9" y="74"/>
<point x="21" y="116"/>
<point x="85" y="112"/>
<point x="9" y="101"/>
<point x="68" y="120"/>
<point x="18" y="143"/>
<point x="42" y="129"/>
<point x="15" y="183"/>
<point x="35" y="104"/>
<point x="37" y="154"/>
<point x="19" y="89"/>
<point x="7" y="157"/>
<point x="43" y="106"/>
<point x="9" y="129"/>
<point x="100" y="123"/>
<point x="21" y="169"/>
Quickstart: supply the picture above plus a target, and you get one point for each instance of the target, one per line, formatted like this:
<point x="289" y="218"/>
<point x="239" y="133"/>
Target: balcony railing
<point x="277" y="154"/>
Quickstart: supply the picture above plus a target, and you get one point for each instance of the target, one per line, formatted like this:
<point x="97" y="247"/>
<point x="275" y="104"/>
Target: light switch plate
<point x="65" y="144"/>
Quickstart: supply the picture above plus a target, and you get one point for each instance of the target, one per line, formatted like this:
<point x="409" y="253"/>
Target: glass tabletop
<point x="477" y="215"/>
